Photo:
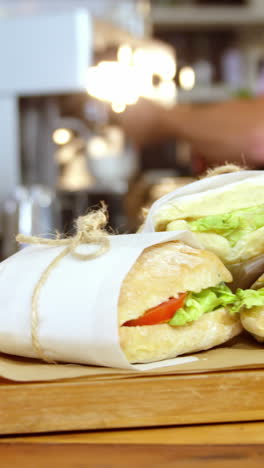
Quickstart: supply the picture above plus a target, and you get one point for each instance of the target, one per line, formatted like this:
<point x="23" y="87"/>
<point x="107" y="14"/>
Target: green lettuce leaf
<point x="247" y="298"/>
<point x="213" y="298"/>
<point x="234" y="225"/>
<point x="200" y="303"/>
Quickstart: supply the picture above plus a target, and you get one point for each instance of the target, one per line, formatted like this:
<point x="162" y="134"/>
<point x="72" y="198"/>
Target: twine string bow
<point x="89" y="230"/>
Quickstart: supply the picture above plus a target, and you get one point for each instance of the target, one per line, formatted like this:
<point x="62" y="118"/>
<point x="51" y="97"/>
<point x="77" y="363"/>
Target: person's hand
<point x="144" y="122"/>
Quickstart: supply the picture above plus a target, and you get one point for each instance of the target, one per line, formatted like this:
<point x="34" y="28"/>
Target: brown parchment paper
<point x="241" y="353"/>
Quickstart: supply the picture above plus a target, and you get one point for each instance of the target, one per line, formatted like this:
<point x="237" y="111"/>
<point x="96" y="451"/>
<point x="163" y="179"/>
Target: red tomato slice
<point x="159" y="314"/>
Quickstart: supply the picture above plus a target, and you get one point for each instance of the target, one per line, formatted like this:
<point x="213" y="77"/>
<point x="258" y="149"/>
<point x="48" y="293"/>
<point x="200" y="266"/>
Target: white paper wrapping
<point x="78" y="303"/>
<point x="198" y="189"/>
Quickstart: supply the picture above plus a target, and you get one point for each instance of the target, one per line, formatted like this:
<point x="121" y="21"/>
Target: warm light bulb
<point x="187" y="78"/>
<point x="166" y="68"/>
<point x="118" y="107"/>
<point x="97" y="147"/>
<point x="114" y="82"/>
<point x="62" y="136"/>
<point x="125" y="54"/>
<point x="167" y="91"/>
<point x="155" y="61"/>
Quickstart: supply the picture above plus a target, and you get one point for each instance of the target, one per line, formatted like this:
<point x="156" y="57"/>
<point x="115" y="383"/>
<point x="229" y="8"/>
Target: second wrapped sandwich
<point x="225" y="213"/>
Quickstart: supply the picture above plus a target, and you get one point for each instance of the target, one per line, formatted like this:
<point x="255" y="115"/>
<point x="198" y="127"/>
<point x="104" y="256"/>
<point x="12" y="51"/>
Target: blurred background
<point x="69" y="68"/>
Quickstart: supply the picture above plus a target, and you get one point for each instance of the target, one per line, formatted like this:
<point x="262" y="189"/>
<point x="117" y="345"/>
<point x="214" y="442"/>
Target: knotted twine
<point x="90" y="229"/>
<point x="226" y="168"/>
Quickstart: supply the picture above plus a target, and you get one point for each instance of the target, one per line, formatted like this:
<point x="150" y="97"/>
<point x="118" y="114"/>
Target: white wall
<point x="123" y="13"/>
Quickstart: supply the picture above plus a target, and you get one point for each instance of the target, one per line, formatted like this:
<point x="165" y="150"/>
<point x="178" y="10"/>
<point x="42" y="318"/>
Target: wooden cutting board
<point x="83" y="404"/>
<point x="131" y="455"/>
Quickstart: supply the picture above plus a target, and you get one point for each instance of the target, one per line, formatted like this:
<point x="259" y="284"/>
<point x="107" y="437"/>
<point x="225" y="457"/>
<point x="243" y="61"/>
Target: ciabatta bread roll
<point x="166" y="271"/>
<point x="253" y="321"/>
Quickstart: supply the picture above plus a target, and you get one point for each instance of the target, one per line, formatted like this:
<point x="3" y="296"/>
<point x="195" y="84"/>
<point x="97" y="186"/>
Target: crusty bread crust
<point x="158" y="342"/>
<point x="219" y="200"/>
<point x="253" y="321"/>
<point x="165" y="270"/>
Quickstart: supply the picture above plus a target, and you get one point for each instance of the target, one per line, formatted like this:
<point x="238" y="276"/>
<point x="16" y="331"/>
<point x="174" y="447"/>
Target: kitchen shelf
<point x="202" y="16"/>
<point x="211" y="93"/>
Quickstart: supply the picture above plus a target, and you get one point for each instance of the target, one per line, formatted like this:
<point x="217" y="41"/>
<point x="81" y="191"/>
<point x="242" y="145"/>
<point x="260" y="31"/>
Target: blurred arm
<point x="228" y="131"/>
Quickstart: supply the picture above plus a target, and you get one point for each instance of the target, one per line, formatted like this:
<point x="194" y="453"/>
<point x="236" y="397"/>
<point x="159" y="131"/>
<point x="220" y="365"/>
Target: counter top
<point x="227" y="434"/>
<point x="193" y="446"/>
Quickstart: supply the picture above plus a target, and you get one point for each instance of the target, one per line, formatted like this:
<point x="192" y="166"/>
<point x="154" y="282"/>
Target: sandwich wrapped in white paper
<point x="82" y="310"/>
<point x="224" y="212"/>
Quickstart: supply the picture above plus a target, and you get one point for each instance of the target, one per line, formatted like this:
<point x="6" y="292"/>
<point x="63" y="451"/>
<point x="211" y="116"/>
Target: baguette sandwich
<point x="175" y="301"/>
<point x="228" y="221"/>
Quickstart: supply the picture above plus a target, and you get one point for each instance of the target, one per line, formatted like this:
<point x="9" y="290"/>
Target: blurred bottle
<point x="233" y="68"/>
<point x="32" y="210"/>
<point x="202" y="66"/>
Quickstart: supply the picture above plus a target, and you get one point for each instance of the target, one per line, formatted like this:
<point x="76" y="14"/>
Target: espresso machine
<point x="40" y="56"/>
<point x="60" y="154"/>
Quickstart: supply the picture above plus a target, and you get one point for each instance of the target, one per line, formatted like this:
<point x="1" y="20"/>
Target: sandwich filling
<point x="189" y="307"/>
<point x="233" y="226"/>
